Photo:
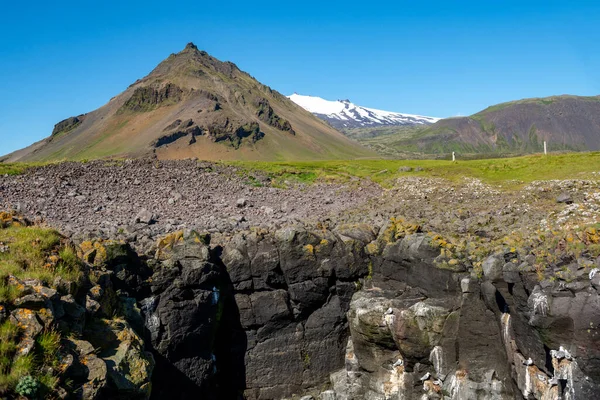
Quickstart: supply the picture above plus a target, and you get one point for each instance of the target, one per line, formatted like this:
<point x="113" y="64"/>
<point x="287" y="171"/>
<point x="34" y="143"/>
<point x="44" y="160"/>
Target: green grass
<point x="34" y="252"/>
<point x="39" y="253"/>
<point x="14" y="168"/>
<point x="364" y="134"/>
<point x="42" y="363"/>
<point x="537" y="100"/>
<point x="508" y="172"/>
<point x="48" y="345"/>
<point x="11" y="370"/>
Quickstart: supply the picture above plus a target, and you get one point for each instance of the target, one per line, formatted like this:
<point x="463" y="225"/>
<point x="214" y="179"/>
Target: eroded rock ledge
<point x="354" y="313"/>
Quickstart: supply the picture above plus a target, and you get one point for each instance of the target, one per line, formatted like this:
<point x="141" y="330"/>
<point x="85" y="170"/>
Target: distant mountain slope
<point x="565" y="122"/>
<point x="343" y="114"/>
<point x="193" y="105"/>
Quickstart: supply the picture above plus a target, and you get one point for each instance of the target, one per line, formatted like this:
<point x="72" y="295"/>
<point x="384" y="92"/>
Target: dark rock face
<point x="266" y="114"/>
<point x="234" y="131"/>
<point x="287" y="308"/>
<point x="370" y="313"/>
<point x="67" y="125"/>
<point x="184" y="316"/>
<point x="147" y="98"/>
<point x="287" y="292"/>
<point x="188" y="131"/>
<point x="271" y="315"/>
<point x="262" y="317"/>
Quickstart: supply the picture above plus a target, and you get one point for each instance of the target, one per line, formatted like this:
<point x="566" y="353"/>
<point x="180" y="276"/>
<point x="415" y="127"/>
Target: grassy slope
<point x="508" y="172"/>
<point x="390" y="141"/>
<point x="432" y="140"/>
<point x="418" y="142"/>
<point x="445" y="137"/>
<point x="535" y="100"/>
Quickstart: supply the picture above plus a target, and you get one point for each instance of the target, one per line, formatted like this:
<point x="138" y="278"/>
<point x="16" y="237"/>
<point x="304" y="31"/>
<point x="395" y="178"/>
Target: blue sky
<point x="438" y="58"/>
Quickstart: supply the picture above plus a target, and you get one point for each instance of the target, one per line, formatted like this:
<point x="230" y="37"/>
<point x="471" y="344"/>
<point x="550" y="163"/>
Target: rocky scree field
<point x="416" y="280"/>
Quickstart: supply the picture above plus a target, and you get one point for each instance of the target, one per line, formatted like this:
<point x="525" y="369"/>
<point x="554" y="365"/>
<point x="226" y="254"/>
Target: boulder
<point x="96" y="380"/>
<point x="328" y="395"/>
<point x="71" y="307"/>
<point x="31" y="327"/>
<point x="129" y="366"/>
<point x="144" y="217"/>
<point x="492" y="268"/>
<point x="564" y="198"/>
<point x="31" y="301"/>
<point x="241" y="203"/>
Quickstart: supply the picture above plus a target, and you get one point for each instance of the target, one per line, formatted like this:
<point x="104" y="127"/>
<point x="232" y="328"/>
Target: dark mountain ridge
<point x="564" y="122"/>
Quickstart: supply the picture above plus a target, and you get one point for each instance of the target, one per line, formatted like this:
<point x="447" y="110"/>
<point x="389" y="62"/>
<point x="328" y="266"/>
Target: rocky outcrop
<point x="262" y="316"/>
<point x="234" y="132"/>
<point x="67" y="125"/>
<point x="219" y="131"/>
<point x="416" y="327"/>
<point x="178" y="130"/>
<point x="72" y="335"/>
<point x="346" y="311"/>
<point x="266" y="114"/>
<point x="147" y="98"/>
<point x="454" y="335"/>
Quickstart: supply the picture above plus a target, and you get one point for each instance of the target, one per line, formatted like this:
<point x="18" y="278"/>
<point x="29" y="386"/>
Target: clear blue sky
<point x="438" y="58"/>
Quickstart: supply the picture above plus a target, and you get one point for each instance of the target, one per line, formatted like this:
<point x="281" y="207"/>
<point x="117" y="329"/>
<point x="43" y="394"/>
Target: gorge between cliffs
<point x="210" y="281"/>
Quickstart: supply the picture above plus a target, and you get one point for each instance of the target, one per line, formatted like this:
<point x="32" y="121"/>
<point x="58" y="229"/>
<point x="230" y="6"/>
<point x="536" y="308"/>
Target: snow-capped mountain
<point x="345" y="114"/>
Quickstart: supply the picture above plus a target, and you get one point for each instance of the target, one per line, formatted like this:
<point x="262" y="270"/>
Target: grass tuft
<point x="48" y="344"/>
<point x="35" y="253"/>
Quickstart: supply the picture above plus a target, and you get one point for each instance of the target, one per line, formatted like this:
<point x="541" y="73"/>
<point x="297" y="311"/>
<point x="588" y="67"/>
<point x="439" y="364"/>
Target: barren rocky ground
<point x="139" y="200"/>
<point x="152" y="198"/>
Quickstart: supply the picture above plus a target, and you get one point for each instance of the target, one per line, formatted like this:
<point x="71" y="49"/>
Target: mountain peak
<point x="192" y="50"/>
<point x="194" y="105"/>
<point x="195" y="63"/>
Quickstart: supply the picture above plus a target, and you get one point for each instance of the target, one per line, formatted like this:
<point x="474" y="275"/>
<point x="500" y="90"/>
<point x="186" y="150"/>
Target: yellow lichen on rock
<point x="93" y="252"/>
<point x="166" y="243"/>
<point x="309" y="248"/>
<point x="372" y="248"/>
<point x="399" y="228"/>
<point x="591" y="235"/>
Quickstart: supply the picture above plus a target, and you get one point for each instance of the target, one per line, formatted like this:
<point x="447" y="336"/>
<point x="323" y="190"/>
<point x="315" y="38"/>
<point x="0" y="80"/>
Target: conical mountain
<point x="193" y="105"/>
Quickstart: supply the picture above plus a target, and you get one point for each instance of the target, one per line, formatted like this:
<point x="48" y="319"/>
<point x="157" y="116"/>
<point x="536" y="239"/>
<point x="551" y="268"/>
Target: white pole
<point x="545" y="148"/>
<point x="453" y="157"/>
